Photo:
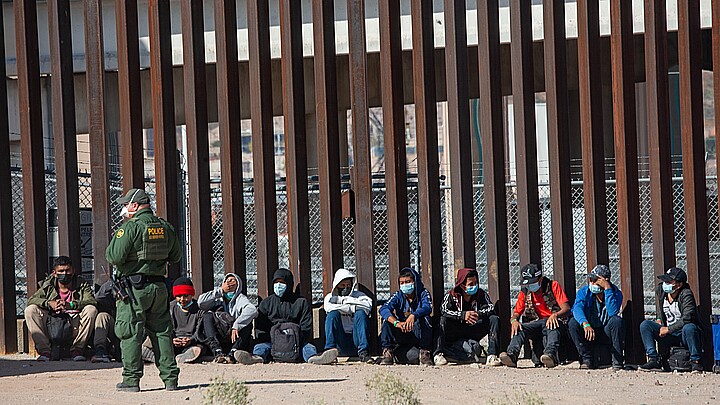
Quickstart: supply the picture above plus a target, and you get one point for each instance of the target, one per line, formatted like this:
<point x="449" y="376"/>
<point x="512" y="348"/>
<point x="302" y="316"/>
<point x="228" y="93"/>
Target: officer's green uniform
<point x="143" y="245"/>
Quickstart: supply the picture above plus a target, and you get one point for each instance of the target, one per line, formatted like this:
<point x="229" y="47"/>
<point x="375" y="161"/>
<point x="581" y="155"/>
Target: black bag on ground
<point x="286" y="338"/>
<point x="60" y="330"/>
<point x="679" y="359"/>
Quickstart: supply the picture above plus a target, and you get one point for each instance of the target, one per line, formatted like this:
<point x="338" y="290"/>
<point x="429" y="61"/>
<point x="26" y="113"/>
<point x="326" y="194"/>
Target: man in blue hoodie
<point x="596" y="319"/>
<point x="406" y="322"/>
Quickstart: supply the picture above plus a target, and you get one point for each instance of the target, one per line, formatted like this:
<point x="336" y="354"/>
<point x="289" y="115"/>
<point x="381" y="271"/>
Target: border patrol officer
<point x="140" y="250"/>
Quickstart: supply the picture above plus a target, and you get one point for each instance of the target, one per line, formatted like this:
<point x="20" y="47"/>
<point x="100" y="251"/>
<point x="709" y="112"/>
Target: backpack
<point x="60" y="330"/>
<point x="285" y="338"/>
<point x="679" y="359"/>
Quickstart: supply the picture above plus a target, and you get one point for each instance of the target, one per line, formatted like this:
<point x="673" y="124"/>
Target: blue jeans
<point x="349" y="344"/>
<point x="609" y="335"/>
<point x="544" y="340"/>
<point x="689" y="337"/>
<point x="263" y="350"/>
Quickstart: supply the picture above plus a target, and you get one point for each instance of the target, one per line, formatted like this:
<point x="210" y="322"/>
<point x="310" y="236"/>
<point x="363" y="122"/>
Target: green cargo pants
<point x="147" y="310"/>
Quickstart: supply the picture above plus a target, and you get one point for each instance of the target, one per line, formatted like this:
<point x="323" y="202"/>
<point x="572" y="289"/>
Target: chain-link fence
<point x="380" y="222"/>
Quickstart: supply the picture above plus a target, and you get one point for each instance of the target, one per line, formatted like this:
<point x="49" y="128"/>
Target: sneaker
<point x="147" y="355"/>
<point x="548" y="360"/>
<point x="618" y="367"/>
<point x="651" y="365"/>
<point x="697" y="368"/>
<point x="43" y="357"/>
<point x="127" y="388"/>
<point x="585" y="365"/>
<point x="388" y="359"/>
<point x="243" y="357"/>
<point x="327" y="357"/>
<point x="425" y="358"/>
<point x="440" y="360"/>
<point x="189" y="355"/>
<point x="220" y="358"/>
<point x="508" y="359"/>
<point x="77" y="355"/>
<point x="100" y="356"/>
<point x="365" y="357"/>
<point x="493" y="361"/>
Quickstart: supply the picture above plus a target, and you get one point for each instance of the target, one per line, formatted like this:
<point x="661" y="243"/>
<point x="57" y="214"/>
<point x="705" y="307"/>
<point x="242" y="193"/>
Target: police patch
<point x="120" y="233"/>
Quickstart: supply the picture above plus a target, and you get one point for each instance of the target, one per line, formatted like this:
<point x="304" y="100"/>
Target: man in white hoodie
<point x="229" y="322"/>
<point x="348" y="314"/>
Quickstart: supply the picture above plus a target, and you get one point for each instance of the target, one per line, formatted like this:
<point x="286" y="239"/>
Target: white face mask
<point x="124" y="212"/>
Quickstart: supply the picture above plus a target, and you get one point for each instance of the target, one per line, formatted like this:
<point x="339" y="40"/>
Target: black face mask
<point x="64" y="278"/>
<point x="345" y="291"/>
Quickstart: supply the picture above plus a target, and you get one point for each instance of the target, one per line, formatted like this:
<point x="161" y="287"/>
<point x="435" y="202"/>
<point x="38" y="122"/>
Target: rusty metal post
<point x="31" y="140"/>
<point x="326" y="110"/>
<point x="128" y="56"/>
<point x="163" y="109"/>
<point x="658" y="121"/>
<point x="391" y="72"/>
<point x="228" y="95"/>
<point x="196" y="124"/>
<point x="493" y="136"/>
<point x="693" y="158"/>
<point x="591" y="132"/>
<point x="95" y="74"/>
<point x="263" y="142"/>
<point x="295" y="143"/>
<point x="626" y="169"/>
<point x="427" y="149"/>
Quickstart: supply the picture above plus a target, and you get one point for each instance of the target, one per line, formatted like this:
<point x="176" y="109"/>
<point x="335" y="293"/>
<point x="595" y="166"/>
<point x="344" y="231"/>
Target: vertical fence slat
<point x="31" y="139"/>
<point x="167" y="197"/>
<point x="95" y="79"/>
<point x="8" y="298"/>
<point x="427" y="148"/>
<point x="295" y="143"/>
<point x="716" y="69"/>
<point x="626" y="169"/>
<point x="128" y="57"/>
<point x="559" y="145"/>
<point x="328" y="140"/>
<point x="658" y="121"/>
<point x="591" y="132"/>
<point x="458" y="121"/>
<point x="362" y="182"/>
<point x="493" y="154"/>
<point x="263" y="142"/>
<point x="693" y="158"/>
<point x="196" y="123"/>
<point x="228" y="95"/>
<point x="64" y="131"/>
<point x="391" y="72"/>
<point x="528" y="203"/>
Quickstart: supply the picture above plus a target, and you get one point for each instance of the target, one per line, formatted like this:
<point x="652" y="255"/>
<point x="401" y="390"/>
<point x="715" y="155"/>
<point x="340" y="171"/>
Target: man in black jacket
<point x="468" y="315"/>
<point x="677" y="323"/>
<point x="283" y="306"/>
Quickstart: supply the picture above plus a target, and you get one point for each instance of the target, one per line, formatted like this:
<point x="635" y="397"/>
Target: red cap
<point x="183" y="289"/>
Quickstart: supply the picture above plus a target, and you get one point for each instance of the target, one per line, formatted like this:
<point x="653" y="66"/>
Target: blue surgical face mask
<point x="472" y="290"/>
<point x="595" y="289"/>
<point x="533" y="287"/>
<point x="229" y="295"/>
<point x="667" y="288"/>
<point x="407" y="288"/>
<point x="279" y="289"/>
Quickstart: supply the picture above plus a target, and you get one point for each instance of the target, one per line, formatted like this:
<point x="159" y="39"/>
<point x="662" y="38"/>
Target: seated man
<point x="543" y="305"/>
<point x="677" y="323"/>
<point x="348" y="310"/>
<point x="406" y="329"/>
<point x="186" y="317"/>
<point x="287" y="310"/>
<point x="104" y="340"/>
<point x="61" y="294"/>
<point x="468" y="315"/>
<point x="228" y="325"/>
<point x="596" y="320"/>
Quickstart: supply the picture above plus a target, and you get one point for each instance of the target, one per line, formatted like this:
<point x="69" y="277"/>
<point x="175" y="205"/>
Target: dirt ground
<point x="25" y="381"/>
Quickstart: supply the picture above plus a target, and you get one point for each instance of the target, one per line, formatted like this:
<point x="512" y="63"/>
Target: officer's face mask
<point x="279" y="289"/>
<point x="126" y="213"/>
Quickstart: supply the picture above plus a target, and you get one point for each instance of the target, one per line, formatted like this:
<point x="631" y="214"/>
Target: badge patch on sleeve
<point x="120" y="233"/>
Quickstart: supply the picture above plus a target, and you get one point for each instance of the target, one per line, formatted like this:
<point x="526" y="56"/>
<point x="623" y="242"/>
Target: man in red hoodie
<point x="468" y="315"/>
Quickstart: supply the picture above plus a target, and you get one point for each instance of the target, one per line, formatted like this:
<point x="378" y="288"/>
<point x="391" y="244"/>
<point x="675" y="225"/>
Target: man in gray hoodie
<point x="228" y="324"/>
